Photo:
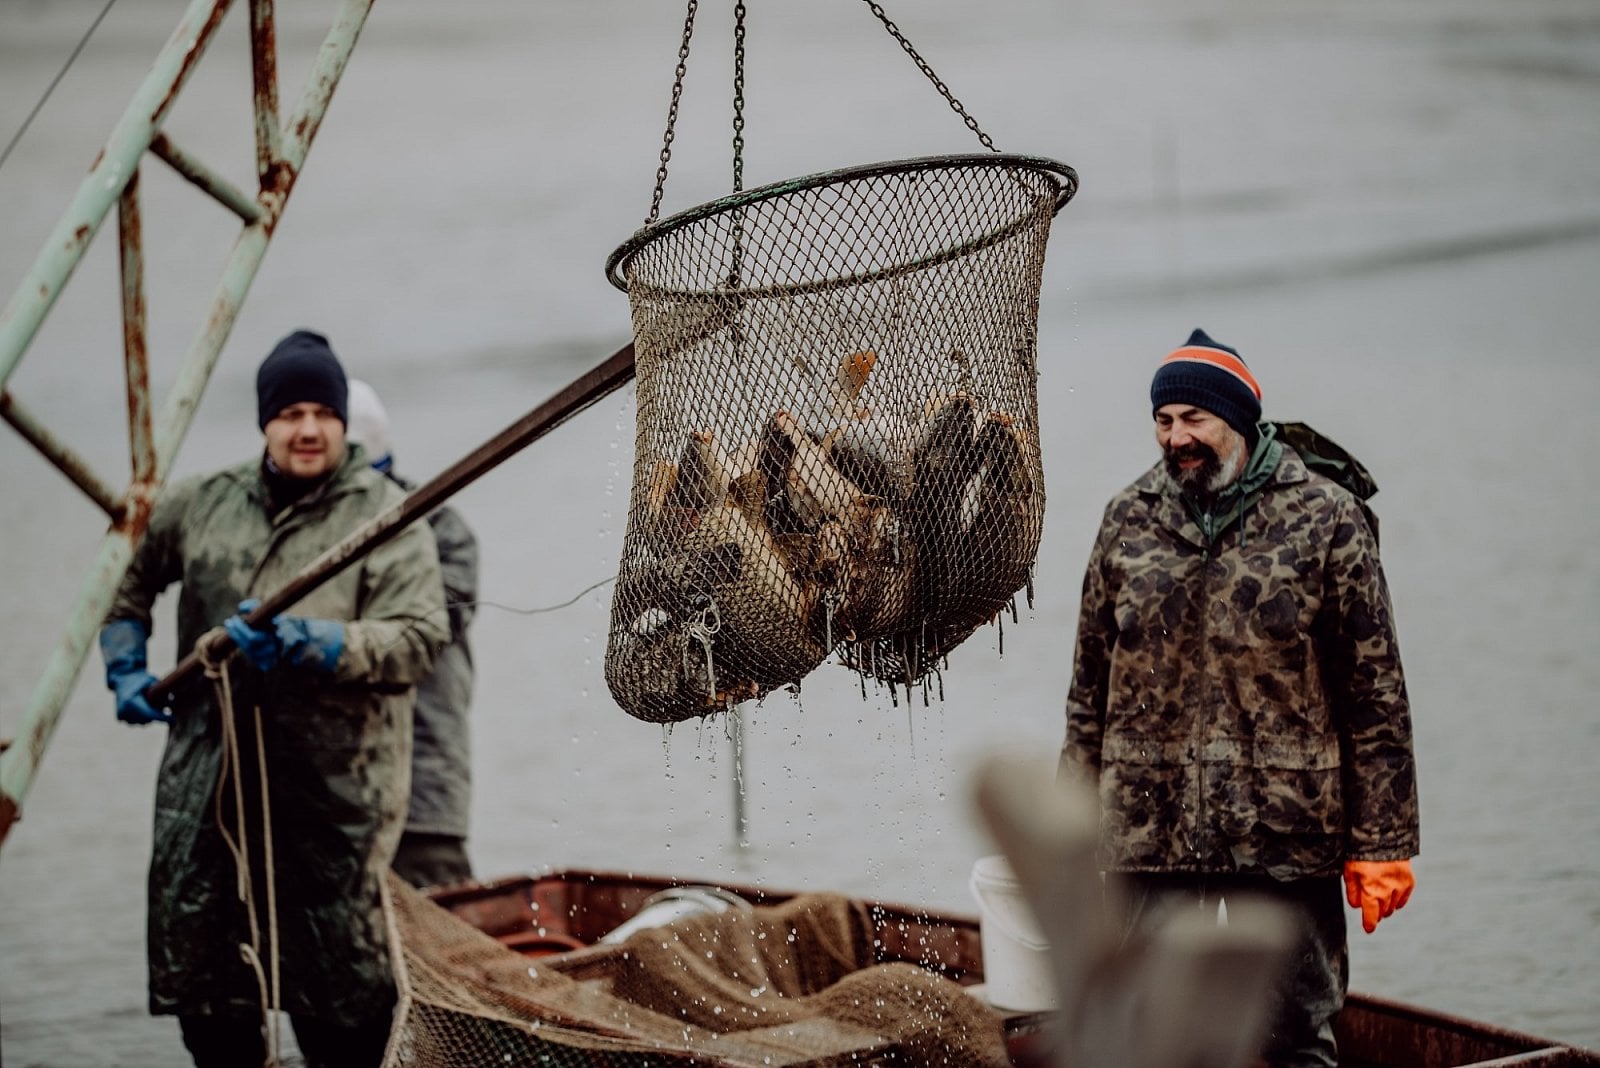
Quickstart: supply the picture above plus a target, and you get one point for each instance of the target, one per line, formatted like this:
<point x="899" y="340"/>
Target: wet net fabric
<point x="837" y="445"/>
<point x="789" y="985"/>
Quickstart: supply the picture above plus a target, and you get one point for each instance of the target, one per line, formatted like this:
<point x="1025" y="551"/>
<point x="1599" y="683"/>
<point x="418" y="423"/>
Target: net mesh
<point x="795" y="984"/>
<point x="837" y="445"/>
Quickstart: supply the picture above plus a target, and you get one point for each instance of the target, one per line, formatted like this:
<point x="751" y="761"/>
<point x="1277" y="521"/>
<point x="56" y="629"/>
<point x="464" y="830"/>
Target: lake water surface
<point x="1391" y="209"/>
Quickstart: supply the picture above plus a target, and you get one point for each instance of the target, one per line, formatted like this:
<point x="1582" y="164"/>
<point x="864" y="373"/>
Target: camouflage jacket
<point x="1240" y="704"/>
<point x="337" y="749"/>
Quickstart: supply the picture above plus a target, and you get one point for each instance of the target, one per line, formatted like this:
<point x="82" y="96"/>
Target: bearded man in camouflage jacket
<point x="1237" y="697"/>
<point x="321" y="704"/>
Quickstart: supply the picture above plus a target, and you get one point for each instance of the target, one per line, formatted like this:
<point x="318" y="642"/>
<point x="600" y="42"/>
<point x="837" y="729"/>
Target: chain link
<point x="922" y="65"/>
<point x="672" y="114"/>
<point x="738" y="96"/>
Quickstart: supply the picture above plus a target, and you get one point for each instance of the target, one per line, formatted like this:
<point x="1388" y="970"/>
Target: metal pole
<point x="178" y="410"/>
<point x="66" y="460"/>
<point x="135" y="345"/>
<point x="20" y="762"/>
<point x="741" y="825"/>
<point x="101" y="188"/>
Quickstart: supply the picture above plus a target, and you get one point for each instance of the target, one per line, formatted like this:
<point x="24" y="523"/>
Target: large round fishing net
<point x="837" y="445"/>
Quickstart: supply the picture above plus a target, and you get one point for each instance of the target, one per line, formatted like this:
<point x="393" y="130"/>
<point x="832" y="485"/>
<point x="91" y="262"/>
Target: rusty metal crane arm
<point x="113" y="179"/>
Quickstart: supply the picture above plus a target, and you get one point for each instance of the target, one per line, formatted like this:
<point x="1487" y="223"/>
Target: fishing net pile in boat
<point x="793" y="985"/>
<point x="837" y="444"/>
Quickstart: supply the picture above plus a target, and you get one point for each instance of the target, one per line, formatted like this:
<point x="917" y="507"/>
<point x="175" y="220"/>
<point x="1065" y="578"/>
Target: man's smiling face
<point x="1203" y="453"/>
<point x="305" y="440"/>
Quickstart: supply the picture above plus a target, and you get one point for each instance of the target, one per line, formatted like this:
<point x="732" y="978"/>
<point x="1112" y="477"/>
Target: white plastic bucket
<point x="1016" y="957"/>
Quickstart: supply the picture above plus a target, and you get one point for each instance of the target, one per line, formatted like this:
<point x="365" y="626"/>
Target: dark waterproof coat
<point x="337" y="748"/>
<point x="1240" y="702"/>
<point x="441" y="755"/>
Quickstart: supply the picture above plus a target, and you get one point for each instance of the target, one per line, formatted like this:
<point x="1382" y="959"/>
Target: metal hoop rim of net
<point x="1063" y="175"/>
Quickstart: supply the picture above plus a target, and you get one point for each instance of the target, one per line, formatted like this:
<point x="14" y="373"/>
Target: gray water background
<point x="1391" y="208"/>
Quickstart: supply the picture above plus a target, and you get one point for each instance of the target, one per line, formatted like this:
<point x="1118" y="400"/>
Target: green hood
<point x="1236" y="499"/>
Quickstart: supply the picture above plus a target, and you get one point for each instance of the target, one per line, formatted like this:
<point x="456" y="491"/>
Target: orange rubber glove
<point x="1379" y="888"/>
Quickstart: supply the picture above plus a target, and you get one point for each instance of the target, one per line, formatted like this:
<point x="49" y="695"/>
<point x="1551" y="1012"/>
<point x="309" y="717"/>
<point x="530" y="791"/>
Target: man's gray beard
<point x="1227" y="474"/>
<point x="1205" y="482"/>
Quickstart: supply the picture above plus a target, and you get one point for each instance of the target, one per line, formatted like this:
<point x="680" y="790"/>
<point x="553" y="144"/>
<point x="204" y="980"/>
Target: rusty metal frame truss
<point x="153" y="437"/>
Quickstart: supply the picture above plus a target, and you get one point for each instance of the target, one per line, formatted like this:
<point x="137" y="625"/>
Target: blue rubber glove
<point x="294" y="640"/>
<point x="122" y="644"/>
<point x="260" y="647"/>
<point x="310" y="643"/>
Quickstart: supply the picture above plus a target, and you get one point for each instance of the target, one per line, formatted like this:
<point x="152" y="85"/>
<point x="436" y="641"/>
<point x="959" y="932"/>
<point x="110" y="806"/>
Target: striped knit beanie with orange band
<point x="1209" y="375"/>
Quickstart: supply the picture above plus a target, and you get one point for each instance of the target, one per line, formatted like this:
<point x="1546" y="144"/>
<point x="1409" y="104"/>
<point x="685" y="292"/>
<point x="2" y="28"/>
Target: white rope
<point x="276" y="1040"/>
<point x="703" y="630"/>
<point x="268" y="990"/>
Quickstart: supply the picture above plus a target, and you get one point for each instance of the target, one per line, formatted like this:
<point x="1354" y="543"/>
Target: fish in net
<point x="837" y="446"/>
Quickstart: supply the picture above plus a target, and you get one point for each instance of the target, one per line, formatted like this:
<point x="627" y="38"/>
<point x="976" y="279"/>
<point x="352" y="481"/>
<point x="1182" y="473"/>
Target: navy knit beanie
<point x="301" y="369"/>
<point x="1209" y="375"/>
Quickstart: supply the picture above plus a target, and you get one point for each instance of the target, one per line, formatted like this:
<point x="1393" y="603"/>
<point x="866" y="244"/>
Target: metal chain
<point x="738" y="96"/>
<point x="922" y="65"/>
<point x="672" y="114"/>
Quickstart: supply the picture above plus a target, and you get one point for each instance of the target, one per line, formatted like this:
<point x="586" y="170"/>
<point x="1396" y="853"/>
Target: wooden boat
<point x="562" y="916"/>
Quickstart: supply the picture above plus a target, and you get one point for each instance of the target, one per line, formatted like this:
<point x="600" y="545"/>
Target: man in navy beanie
<point x="281" y="794"/>
<point x="1205" y="376"/>
<point x="303" y="408"/>
<point x="1237" y="698"/>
